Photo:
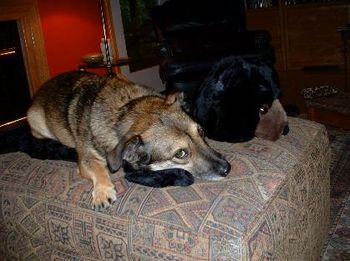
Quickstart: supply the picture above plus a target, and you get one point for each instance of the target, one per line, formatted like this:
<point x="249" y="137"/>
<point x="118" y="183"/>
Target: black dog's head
<point x="239" y="100"/>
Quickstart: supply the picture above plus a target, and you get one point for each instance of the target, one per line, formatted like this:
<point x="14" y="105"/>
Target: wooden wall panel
<point x="303" y="36"/>
<point x="26" y="13"/>
<point x="312" y="37"/>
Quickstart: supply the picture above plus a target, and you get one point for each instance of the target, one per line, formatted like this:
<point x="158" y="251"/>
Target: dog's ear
<point x="135" y="152"/>
<point x="114" y="157"/>
<point x="175" y="96"/>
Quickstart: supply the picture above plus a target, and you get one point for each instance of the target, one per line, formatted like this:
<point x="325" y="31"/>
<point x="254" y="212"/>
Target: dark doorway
<point x="14" y="88"/>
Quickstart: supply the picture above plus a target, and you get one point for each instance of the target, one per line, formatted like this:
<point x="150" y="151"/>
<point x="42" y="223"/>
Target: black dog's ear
<point x="135" y="152"/>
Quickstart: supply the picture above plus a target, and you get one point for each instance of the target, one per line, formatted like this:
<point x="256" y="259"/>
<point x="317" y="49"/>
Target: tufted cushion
<point x="273" y="205"/>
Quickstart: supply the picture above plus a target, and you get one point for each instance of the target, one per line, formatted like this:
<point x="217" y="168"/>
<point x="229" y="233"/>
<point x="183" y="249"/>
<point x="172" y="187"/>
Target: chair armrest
<point x="164" y="50"/>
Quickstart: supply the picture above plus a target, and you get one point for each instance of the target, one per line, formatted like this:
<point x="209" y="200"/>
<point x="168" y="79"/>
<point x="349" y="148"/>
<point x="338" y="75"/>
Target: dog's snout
<point x="285" y="130"/>
<point x="225" y="169"/>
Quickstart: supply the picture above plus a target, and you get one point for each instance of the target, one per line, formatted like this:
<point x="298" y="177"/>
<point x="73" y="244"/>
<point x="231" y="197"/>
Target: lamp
<point x="94" y="60"/>
<point x="110" y="72"/>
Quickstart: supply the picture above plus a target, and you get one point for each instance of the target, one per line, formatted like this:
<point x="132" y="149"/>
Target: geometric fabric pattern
<point x="274" y="205"/>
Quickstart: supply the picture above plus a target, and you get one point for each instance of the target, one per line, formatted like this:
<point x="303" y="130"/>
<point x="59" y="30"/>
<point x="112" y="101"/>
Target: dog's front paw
<point x="103" y="196"/>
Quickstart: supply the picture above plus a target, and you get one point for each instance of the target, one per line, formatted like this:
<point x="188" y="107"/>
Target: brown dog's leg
<point x="92" y="168"/>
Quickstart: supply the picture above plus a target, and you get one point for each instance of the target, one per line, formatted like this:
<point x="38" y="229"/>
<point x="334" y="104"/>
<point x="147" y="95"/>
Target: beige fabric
<point x="274" y="205"/>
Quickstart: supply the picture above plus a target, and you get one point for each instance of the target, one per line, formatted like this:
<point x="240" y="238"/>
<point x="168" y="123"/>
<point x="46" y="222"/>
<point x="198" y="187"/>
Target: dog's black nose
<point x="225" y="169"/>
<point x="285" y="130"/>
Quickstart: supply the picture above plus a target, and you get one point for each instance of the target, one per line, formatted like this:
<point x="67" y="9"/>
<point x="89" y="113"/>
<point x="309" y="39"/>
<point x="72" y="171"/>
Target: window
<point x="138" y="30"/>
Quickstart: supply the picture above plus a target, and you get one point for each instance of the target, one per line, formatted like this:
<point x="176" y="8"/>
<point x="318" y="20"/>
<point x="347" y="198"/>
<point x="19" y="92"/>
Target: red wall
<point x="72" y="29"/>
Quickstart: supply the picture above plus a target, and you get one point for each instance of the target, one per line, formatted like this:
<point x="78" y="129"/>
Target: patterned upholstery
<point x="274" y="205"/>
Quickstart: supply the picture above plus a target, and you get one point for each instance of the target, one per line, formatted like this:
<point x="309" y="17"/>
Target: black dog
<point x="239" y="100"/>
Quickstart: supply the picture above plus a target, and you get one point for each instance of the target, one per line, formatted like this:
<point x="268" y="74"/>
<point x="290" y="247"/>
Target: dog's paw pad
<point x="103" y="197"/>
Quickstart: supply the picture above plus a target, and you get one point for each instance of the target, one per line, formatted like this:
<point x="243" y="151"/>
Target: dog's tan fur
<point x="108" y="120"/>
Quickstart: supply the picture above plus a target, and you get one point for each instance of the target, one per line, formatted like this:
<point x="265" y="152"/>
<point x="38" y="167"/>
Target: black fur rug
<point x="21" y="139"/>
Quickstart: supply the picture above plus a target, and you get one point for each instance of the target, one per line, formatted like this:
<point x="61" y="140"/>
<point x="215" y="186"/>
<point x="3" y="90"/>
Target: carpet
<point x="338" y="243"/>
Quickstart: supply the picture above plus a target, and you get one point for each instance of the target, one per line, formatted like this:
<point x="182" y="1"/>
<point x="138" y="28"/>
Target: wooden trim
<point x="26" y="13"/>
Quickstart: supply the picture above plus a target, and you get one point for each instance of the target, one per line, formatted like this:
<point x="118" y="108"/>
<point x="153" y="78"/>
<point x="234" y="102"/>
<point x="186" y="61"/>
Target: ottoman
<point x="274" y="205"/>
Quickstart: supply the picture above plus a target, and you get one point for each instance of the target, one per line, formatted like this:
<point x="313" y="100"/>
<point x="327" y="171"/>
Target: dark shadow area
<point x="14" y="88"/>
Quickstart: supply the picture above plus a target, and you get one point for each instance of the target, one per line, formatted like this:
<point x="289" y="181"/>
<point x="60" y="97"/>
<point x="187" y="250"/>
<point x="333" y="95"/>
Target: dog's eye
<point x="264" y="109"/>
<point x="200" y="131"/>
<point x="182" y="154"/>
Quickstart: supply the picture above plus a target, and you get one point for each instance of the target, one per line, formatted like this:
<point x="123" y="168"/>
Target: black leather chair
<point x="193" y="34"/>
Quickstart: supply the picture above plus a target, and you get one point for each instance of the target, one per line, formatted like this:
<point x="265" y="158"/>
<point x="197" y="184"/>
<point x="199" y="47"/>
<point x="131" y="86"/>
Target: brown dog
<point x="109" y="120"/>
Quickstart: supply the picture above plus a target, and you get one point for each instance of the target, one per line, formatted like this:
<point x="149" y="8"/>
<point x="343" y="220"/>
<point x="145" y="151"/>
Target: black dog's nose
<point x="285" y="130"/>
<point x="225" y="169"/>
